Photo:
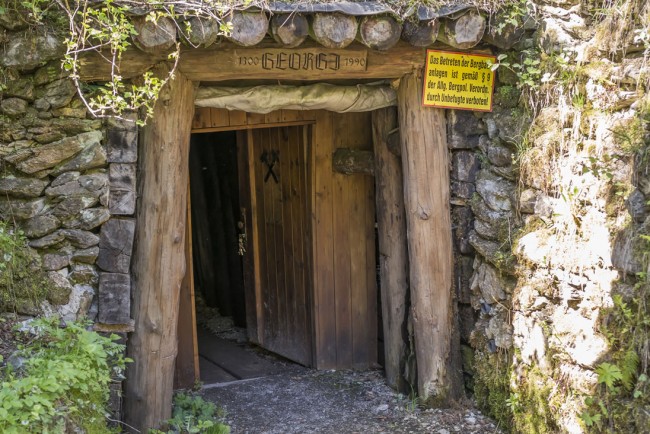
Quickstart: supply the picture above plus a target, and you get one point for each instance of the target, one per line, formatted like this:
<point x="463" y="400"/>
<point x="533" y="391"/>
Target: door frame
<point x="188" y="358"/>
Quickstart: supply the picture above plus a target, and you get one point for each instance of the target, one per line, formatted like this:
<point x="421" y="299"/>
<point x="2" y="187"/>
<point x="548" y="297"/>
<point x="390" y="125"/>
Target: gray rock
<point x="91" y="218"/>
<point x="87" y="185"/>
<point x="491" y="251"/>
<point x="499" y="155"/>
<point x="114" y="298"/>
<point x="463" y="190"/>
<point x="490" y="283"/>
<point x="79" y="303"/>
<point x="496" y="191"/>
<point x="13" y="106"/>
<point x="462" y="221"/>
<point x="22" y="87"/>
<point x="29" y="49"/>
<point x="48" y="240"/>
<point x="84" y="274"/>
<point x="72" y="126"/>
<point x="55" y="261"/>
<point x="10" y="20"/>
<point x="499" y="328"/>
<point x="80" y="239"/>
<point x="70" y="207"/>
<point x="41" y="225"/>
<point x="122" y="194"/>
<point x="552" y="36"/>
<point x="65" y="178"/>
<point x="464" y="166"/>
<point x="463" y="129"/>
<point x="48" y="156"/>
<point x="527" y="201"/>
<point x="122" y="144"/>
<point x="58" y="93"/>
<point x="20" y="209"/>
<point x="628" y="248"/>
<point x="116" y="245"/>
<point x="42" y="105"/>
<point x="90" y="158"/>
<point x="86" y="256"/>
<point x="636" y="206"/>
<point x="511" y="124"/>
<point x="61" y="288"/>
<point x="22" y="187"/>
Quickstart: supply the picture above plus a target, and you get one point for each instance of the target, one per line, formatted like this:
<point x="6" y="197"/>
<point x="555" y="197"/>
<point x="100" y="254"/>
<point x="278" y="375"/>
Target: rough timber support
<point x="393" y="254"/>
<point x="158" y="262"/>
<point x="426" y="198"/>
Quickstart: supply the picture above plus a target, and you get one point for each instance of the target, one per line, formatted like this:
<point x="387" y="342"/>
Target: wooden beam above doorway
<point x="267" y="60"/>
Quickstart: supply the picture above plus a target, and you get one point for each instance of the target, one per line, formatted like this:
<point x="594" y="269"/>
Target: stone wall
<point x="68" y="181"/>
<point x="549" y="215"/>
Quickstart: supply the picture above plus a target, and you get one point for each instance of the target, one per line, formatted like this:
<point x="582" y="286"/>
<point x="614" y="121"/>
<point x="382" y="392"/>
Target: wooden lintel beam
<point x="351" y="161"/>
<point x="268" y="60"/>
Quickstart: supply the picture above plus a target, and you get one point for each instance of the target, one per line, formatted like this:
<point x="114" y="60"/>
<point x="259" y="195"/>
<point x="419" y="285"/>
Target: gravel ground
<point x="302" y="400"/>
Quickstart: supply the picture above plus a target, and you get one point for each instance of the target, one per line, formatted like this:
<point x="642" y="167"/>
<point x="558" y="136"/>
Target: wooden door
<point x="280" y="193"/>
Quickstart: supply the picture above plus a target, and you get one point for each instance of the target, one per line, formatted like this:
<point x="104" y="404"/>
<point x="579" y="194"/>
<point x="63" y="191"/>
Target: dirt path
<point x="301" y="400"/>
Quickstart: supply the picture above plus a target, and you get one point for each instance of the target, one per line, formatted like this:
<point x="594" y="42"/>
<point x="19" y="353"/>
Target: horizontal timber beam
<point x="267" y="60"/>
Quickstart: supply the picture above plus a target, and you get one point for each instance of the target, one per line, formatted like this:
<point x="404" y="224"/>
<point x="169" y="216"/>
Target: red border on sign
<point x="426" y="69"/>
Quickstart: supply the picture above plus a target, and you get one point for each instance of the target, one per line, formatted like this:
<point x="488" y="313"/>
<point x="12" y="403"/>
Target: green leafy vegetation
<point x="23" y="284"/>
<point x="192" y="414"/>
<point x="63" y="382"/>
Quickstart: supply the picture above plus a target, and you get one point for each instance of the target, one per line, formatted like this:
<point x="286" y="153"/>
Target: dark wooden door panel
<point x="282" y="192"/>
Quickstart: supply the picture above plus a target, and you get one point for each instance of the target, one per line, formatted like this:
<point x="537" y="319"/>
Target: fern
<point x="629" y="366"/>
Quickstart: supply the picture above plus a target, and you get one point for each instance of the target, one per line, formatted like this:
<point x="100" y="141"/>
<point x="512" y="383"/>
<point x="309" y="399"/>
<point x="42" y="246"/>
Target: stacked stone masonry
<point x="69" y="182"/>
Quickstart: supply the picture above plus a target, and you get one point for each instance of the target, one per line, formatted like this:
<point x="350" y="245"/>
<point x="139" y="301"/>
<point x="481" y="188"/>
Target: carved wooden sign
<point x="306" y="59"/>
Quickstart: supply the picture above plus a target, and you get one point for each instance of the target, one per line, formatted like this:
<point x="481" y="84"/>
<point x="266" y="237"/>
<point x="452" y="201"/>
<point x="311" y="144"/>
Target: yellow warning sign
<point x="458" y="80"/>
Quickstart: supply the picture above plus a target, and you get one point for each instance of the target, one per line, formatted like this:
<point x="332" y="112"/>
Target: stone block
<point x="114" y="298"/>
<point x="80" y="239"/>
<point x="88" y="219"/>
<point x="48" y="240"/>
<point x="464" y="190"/>
<point x="463" y="129"/>
<point x="462" y="219"/>
<point x="122" y="144"/>
<point x="22" y="187"/>
<point x="122" y="194"/>
<point x="464" y="166"/>
<point x="91" y="157"/>
<point x="41" y="225"/>
<point x="48" y="156"/>
<point x="29" y="49"/>
<point x="20" y="209"/>
<point x="116" y="245"/>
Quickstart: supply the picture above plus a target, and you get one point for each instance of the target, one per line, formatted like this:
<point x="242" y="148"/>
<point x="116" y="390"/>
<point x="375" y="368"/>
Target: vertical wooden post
<point x="393" y="254"/>
<point x="159" y="256"/>
<point x="426" y="197"/>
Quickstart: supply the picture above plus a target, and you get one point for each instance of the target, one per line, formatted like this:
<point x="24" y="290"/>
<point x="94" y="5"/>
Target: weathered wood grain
<point x="248" y="28"/>
<point x="426" y="196"/>
<point x="349" y="161"/>
<point x="421" y="33"/>
<point x="159" y="257"/>
<point x="379" y="32"/>
<point x="334" y="30"/>
<point x="290" y="30"/>
<point x="463" y="32"/>
<point x="393" y="252"/>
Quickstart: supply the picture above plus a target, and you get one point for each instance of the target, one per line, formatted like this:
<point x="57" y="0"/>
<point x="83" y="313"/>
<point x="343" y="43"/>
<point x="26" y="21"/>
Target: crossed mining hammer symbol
<point x="270" y="159"/>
